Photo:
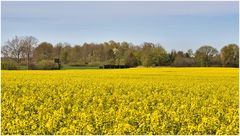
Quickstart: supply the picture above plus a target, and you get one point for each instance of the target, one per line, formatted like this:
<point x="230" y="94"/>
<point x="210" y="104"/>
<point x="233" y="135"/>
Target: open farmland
<point x="123" y="101"/>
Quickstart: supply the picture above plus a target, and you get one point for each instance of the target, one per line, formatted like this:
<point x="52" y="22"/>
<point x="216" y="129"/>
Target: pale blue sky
<point x="175" y="25"/>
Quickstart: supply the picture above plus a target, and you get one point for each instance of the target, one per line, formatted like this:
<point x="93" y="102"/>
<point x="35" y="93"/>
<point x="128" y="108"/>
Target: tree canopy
<point x="26" y="51"/>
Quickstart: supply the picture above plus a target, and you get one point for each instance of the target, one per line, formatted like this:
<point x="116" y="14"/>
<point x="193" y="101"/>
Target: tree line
<point x="27" y="51"/>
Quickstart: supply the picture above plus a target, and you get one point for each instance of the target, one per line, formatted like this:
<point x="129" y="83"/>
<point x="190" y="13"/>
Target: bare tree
<point x="13" y="48"/>
<point x="28" y="43"/>
<point x="5" y="50"/>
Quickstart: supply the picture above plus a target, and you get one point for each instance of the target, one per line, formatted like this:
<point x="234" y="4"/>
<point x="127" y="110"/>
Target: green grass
<point x="64" y="67"/>
<point x="78" y="67"/>
<point x="23" y="67"/>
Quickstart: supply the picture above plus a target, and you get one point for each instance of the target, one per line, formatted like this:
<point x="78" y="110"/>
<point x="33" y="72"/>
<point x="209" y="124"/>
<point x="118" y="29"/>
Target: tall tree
<point x="189" y="54"/>
<point x="28" y="43"/>
<point x="65" y="53"/>
<point x="57" y="50"/>
<point x="183" y="59"/>
<point x="116" y="56"/>
<point x="154" y="55"/>
<point x="5" y="51"/>
<point x="43" y="51"/>
<point x="131" y="60"/>
<point x="14" y="48"/>
<point x="230" y="55"/>
<point x="75" y="54"/>
<point x="204" y="55"/>
<point x="146" y="57"/>
<point x="159" y="56"/>
<point x="172" y="55"/>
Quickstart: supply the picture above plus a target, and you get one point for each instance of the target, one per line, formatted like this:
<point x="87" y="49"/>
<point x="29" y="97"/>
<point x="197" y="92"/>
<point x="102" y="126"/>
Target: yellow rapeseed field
<point x="121" y="101"/>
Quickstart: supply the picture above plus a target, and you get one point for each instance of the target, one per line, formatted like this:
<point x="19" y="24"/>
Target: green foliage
<point x="154" y="56"/>
<point x="204" y="55"/>
<point x="9" y="65"/>
<point x="25" y="50"/>
<point x="79" y="67"/>
<point x="230" y="55"/>
<point x="172" y="55"/>
<point x="44" y="51"/>
<point x="131" y="60"/>
<point x="45" y="65"/>
<point x="183" y="62"/>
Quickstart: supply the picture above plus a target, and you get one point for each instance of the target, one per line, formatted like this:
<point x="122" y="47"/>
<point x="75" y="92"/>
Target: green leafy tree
<point x="230" y="55"/>
<point x="44" y="51"/>
<point x="172" y="55"/>
<point x="183" y="59"/>
<point x="204" y="55"/>
<point x="65" y="53"/>
<point x="131" y="60"/>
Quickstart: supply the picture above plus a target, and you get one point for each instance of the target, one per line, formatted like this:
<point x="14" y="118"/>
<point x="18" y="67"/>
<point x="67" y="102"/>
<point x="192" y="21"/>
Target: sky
<point x="175" y="25"/>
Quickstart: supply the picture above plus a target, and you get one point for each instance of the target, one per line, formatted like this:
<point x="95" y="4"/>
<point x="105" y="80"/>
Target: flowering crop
<point x="121" y="101"/>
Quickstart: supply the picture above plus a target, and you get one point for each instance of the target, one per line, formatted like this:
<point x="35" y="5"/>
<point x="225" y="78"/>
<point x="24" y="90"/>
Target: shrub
<point x="32" y="66"/>
<point x="46" y="65"/>
<point x="183" y="62"/>
<point x="9" y="65"/>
